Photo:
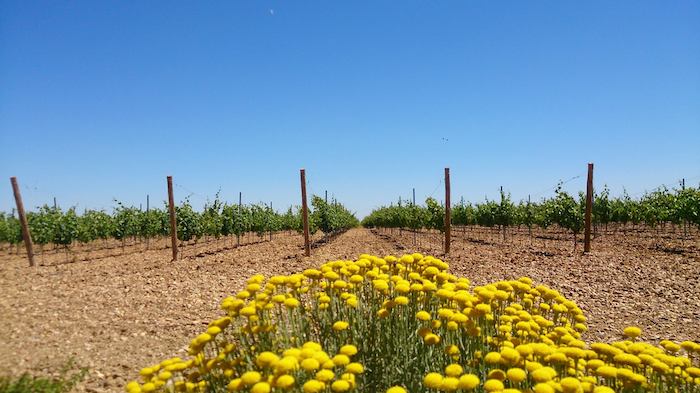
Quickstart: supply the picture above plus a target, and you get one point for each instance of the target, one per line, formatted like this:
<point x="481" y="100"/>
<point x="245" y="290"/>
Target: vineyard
<point x="333" y="317"/>
<point x="659" y="210"/>
<point x="52" y="227"/>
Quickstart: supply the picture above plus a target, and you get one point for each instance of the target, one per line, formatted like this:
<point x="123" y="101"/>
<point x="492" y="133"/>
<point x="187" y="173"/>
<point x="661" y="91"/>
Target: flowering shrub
<point x="405" y="324"/>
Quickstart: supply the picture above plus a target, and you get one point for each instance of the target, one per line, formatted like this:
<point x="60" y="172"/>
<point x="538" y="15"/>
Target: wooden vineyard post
<point x="148" y="207"/>
<point x="240" y="205"/>
<point x="173" y="222"/>
<point x="503" y="224"/>
<point x="305" y="214"/>
<point x="414" y="229"/>
<point x="529" y="219"/>
<point x="448" y="212"/>
<point x="23" y="221"/>
<point x="589" y="210"/>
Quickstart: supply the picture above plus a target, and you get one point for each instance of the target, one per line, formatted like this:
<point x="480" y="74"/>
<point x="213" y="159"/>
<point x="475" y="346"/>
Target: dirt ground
<point x="626" y="280"/>
<point x="115" y="315"/>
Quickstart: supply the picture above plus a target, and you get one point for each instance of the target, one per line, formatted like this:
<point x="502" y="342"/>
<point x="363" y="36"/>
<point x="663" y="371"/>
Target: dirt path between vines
<point x="118" y="314"/>
<point x="620" y="283"/>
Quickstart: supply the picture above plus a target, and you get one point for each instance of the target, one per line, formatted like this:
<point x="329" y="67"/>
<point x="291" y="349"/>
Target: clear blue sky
<point x="102" y="100"/>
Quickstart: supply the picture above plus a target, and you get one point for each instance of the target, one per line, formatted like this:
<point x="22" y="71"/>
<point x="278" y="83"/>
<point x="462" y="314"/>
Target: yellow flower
<point x="670" y="346"/>
<point x="313" y="386"/>
<point x="606" y="371"/>
<point x="286" y="364"/>
<point x="284" y="381"/>
<point x="348" y="350"/>
<point x="310" y="364"/>
<point x="423" y="316"/>
<point x="492" y="358"/>
<point x="380" y="285"/>
<point x="498" y="374"/>
<point x="632" y="332"/>
<point x="693" y="372"/>
<point x="340" y="325"/>
<point x="603" y="389"/>
<point x="510" y="355"/>
<point x="628" y="359"/>
<point x="516" y="375"/>
<point x="260" y="387"/>
<point x="341" y="360"/>
<point x="340" y="386"/>
<point x="493" y="385"/>
<point x="165" y="375"/>
<point x="266" y="359"/>
<point x="431" y="339"/>
<point x="291" y="302"/>
<point x="325" y="375"/>
<point x="250" y="377"/>
<point x="449" y="384"/>
<point x="232" y="386"/>
<point x="454" y="370"/>
<point x="452" y="350"/>
<point x="355" y="368"/>
<point x="543" y="374"/>
<point x="203" y="338"/>
<point x="570" y="385"/>
<point x="356" y="279"/>
<point x="248" y="311"/>
<point x="432" y="380"/>
<point x="468" y="381"/>
<point x="133" y="387"/>
<point x="396" y="389"/>
<point x="543" y="388"/>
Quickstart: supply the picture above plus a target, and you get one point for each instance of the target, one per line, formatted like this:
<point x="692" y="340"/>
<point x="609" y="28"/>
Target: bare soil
<point x="117" y="314"/>
<point x="628" y="279"/>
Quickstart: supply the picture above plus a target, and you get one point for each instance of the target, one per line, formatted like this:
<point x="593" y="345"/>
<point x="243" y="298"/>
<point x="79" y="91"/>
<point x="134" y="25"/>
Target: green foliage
<point x="564" y="210"/>
<point x="567" y="212"/>
<point x="50" y="225"/>
<point x="10" y="229"/>
<point x="602" y="212"/>
<point x="436" y="214"/>
<point x="463" y="214"/>
<point x="64" y="383"/>
<point x="94" y="225"/>
<point x="331" y="217"/>
<point x="125" y="221"/>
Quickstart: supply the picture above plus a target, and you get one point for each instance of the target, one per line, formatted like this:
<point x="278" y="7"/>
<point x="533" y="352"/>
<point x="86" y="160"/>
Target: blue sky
<point x="102" y="100"/>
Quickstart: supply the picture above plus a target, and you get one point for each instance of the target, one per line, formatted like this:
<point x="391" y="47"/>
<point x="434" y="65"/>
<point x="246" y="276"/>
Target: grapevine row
<point x="52" y="225"/>
<point x="565" y="210"/>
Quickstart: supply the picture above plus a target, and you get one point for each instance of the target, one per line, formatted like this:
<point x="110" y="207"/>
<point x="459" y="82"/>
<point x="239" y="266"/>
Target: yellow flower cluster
<point x="406" y="324"/>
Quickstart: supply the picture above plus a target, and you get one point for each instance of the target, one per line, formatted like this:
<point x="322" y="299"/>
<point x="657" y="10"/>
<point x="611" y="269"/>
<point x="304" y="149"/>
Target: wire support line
<point x="550" y="189"/>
